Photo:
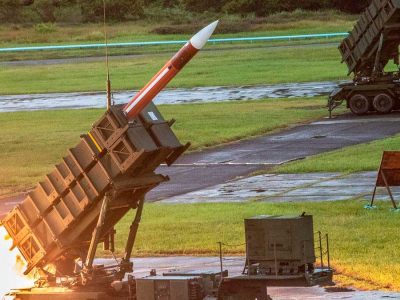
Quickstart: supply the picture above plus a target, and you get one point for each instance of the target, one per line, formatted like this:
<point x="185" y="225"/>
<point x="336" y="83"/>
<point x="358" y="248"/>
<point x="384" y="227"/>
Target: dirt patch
<point x="226" y="27"/>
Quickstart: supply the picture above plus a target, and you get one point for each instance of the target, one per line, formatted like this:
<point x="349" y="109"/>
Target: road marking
<point x="355" y="121"/>
<point x="206" y="164"/>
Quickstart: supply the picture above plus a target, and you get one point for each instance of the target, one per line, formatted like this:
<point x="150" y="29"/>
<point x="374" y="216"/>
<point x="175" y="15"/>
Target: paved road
<point x="204" y="169"/>
<point x="315" y="187"/>
<point x="207" y="168"/>
<point x="49" y="101"/>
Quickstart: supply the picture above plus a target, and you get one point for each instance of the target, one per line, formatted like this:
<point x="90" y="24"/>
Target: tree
<point x="116" y="10"/>
<point x="203" y="5"/>
<point x="259" y="7"/>
<point x="45" y="9"/>
<point x="351" y="6"/>
<point x="9" y="10"/>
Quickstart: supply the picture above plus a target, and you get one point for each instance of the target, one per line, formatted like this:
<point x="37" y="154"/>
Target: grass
<point x="33" y="141"/>
<point x="362" y="247"/>
<point x="227" y="64"/>
<point x="211" y="68"/>
<point x="364" y="157"/>
<point x="297" y="22"/>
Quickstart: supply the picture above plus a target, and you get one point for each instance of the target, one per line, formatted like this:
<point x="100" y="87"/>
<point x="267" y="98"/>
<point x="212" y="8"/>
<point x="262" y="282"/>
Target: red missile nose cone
<point x="200" y="39"/>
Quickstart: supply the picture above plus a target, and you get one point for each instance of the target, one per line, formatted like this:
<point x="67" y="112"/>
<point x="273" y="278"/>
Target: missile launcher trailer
<point x="78" y="204"/>
<point x="372" y="43"/>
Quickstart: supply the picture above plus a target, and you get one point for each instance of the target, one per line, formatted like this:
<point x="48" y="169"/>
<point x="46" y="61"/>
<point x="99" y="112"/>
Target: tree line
<point x="119" y="10"/>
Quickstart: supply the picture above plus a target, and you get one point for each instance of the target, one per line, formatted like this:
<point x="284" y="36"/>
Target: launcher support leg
<point x="373" y="196"/>
<point x="389" y="191"/>
<point x="126" y="265"/>
<point x="133" y="231"/>
<point x="97" y="234"/>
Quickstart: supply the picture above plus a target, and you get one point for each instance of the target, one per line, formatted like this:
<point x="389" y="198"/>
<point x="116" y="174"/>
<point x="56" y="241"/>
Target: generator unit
<point x="169" y="288"/>
<point x="279" y="245"/>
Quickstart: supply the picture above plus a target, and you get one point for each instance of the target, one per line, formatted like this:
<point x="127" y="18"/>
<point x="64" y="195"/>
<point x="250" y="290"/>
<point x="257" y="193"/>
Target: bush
<point x="203" y="5"/>
<point x="351" y="6"/>
<point x="45" y="9"/>
<point x="224" y="27"/>
<point x="9" y="11"/>
<point x="45" y="28"/>
<point x="92" y="11"/>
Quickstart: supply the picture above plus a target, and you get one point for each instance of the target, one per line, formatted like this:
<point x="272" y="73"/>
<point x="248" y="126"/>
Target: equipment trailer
<point x="372" y="43"/>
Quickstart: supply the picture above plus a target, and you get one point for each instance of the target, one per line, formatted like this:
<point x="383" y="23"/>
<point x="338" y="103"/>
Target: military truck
<point x="367" y="52"/>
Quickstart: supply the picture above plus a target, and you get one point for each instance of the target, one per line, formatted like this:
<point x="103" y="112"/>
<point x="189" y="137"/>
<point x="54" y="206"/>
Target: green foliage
<point x="267" y="7"/>
<point x="45" y="28"/>
<point x="45" y="9"/>
<point x="205" y="5"/>
<point x="76" y="11"/>
<point x="116" y="10"/>
<point x="9" y="11"/>
<point x="351" y="6"/>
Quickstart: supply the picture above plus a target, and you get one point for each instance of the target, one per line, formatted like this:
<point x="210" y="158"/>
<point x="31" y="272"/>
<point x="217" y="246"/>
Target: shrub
<point x="9" y="11"/>
<point x="45" y="28"/>
<point x="92" y="11"/>
<point x="351" y="6"/>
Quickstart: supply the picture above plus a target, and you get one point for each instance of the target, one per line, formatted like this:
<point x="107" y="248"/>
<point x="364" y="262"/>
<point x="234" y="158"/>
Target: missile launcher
<point x="367" y="51"/>
<point x="115" y="160"/>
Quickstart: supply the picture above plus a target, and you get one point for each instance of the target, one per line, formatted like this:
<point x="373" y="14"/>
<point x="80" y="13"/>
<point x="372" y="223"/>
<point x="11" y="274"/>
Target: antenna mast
<point x="108" y="85"/>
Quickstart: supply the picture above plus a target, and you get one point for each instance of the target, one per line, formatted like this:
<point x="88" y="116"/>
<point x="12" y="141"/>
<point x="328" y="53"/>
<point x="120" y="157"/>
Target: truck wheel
<point x="359" y="104"/>
<point x="383" y="103"/>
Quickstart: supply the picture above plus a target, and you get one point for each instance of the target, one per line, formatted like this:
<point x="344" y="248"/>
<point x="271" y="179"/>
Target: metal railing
<point x="177" y="42"/>
<point x="322" y="251"/>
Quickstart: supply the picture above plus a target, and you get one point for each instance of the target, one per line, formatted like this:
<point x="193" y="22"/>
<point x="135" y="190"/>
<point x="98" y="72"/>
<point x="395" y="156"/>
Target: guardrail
<point x="158" y="43"/>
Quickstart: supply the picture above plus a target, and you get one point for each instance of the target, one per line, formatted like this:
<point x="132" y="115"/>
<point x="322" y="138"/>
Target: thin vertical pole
<point x="248" y="259"/>
<point x="220" y="259"/>
<point x="388" y="189"/>
<point x="327" y="249"/>
<point x="320" y="250"/>
<point x="108" y="83"/>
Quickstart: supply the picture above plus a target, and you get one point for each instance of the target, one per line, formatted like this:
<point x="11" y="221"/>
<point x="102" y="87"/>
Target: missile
<point x="169" y="71"/>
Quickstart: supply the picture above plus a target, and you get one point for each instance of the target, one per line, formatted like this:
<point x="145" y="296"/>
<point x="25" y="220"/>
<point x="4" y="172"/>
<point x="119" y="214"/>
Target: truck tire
<point x="383" y="103"/>
<point x="359" y="104"/>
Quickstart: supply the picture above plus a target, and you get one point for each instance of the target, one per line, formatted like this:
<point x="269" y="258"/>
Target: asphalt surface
<point x="305" y="187"/>
<point x="200" y="170"/>
<point x="234" y="265"/>
<point x="50" y="101"/>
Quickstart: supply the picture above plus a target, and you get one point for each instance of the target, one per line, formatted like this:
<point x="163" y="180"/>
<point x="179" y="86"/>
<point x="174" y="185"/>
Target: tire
<point x="383" y="103"/>
<point x="359" y="104"/>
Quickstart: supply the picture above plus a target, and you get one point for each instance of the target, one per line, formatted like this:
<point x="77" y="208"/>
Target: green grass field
<point x="364" y="157"/>
<point x="211" y="68"/>
<point x="363" y="249"/>
<point x="33" y="141"/>
<point x="227" y="64"/>
<point x="297" y="22"/>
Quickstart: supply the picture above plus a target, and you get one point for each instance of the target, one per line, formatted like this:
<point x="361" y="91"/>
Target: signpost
<point x="388" y="175"/>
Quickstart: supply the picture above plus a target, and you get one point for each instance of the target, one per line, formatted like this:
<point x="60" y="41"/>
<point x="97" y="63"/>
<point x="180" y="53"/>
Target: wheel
<point x="359" y="104"/>
<point x="383" y="103"/>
